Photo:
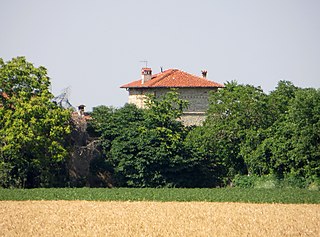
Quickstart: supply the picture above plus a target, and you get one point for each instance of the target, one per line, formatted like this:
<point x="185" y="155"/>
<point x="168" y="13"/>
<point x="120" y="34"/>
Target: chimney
<point x="146" y="74"/>
<point x="204" y="73"/>
<point x="81" y="109"/>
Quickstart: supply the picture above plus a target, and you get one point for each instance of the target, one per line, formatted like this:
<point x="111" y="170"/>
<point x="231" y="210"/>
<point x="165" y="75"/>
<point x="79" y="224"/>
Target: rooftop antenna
<point x="63" y="99"/>
<point x="146" y="62"/>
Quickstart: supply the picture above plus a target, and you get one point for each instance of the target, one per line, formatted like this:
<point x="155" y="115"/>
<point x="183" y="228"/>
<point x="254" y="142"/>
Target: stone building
<point x="193" y="88"/>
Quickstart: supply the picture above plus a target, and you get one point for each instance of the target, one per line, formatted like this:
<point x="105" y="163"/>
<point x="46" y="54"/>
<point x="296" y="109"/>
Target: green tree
<point x="259" y="147"/>
<point x="208" y="168"/>
<point x="107" y="124"/>
<point x="289" y="145"/>
<point x="152" y="153"/>
<point x="304" y="116"/>
<point x="236" y="114"/>
<point x="33" y="129"/>
<point x="151" y="147"/>
<point x="280" y="99"/>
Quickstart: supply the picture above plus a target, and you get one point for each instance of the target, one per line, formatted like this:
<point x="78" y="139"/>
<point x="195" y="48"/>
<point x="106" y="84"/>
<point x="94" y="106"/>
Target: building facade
<point x="194" y="89"/>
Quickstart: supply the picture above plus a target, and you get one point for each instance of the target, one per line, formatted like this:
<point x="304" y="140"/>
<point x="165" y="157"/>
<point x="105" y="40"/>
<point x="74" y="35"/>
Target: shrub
<point x="266" y="182"/>
<point x="254" y="181"/>
<point x="313" y="183"/>
<point x="244" y="181"/>
<point x="293" y="181"/>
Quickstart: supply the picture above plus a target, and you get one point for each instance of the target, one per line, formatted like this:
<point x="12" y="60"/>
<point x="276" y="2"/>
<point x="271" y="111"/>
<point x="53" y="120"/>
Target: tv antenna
<point x="63" y="99"/>
<point x="145" y="61"/>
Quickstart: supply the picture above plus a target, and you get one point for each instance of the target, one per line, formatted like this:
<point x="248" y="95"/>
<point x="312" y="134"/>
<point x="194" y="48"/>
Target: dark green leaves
<point x="148" y="148"/>
<point x="255" y="133"/>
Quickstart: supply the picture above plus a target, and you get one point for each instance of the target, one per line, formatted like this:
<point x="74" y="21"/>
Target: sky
<point x="93" y="47"/>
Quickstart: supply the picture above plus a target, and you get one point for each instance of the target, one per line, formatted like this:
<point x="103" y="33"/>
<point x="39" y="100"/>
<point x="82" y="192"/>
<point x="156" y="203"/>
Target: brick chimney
<point x="146" y="74"/>
<point x="81" y="110"/>
<point x="204" y="73"/>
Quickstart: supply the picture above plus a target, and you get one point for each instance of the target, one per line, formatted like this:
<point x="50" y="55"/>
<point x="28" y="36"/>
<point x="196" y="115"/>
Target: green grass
<point x="165" y="195"/>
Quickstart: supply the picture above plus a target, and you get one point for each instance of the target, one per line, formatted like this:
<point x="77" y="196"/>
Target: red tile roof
<point x="173" y="78"/>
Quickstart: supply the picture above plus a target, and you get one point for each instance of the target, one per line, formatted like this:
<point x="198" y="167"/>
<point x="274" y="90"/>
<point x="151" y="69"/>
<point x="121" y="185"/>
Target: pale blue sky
<point x="96" y="46"/>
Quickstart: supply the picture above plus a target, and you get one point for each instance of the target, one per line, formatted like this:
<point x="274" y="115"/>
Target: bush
<point x="293" y="181"/>
<point x="313" y="183"/>
<point x="266" y="182"/>
<point x="244" y="181"/>
<point x="254" y="181"/>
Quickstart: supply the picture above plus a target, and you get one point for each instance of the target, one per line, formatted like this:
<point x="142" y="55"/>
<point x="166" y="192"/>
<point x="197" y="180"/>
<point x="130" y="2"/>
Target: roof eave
<point x="146" y="87"/>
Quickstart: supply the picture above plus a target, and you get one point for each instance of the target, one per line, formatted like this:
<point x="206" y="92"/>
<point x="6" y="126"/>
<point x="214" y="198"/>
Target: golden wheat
<point x="87" y="218"/>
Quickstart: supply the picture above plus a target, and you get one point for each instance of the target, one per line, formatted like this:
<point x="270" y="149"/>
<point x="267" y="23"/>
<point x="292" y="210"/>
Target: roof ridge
<point x="174" y="78"/>
<point x="170" y="72"/>
<point x="199" y="77"/>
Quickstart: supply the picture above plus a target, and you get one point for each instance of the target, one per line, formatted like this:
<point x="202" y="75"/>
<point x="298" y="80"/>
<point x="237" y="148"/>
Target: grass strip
<point x="294" y="196"/>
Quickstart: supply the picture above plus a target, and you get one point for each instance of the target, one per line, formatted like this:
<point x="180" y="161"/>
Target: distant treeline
<point x="248" y="138"/>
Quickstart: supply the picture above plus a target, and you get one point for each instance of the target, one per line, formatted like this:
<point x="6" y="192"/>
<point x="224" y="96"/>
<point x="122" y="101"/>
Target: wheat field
<point x="88" y="218"/>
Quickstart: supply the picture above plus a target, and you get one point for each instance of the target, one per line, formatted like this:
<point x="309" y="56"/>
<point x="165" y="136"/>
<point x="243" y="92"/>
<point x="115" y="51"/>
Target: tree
<point x="33" y="129"/>
<point x="107" y="124"/>
<point x="152" y="153"/>
<point x="258" y="147"/>
<point x="267" y="149"/>
<point x="280" y="99"/>
<point x="304" y="115"/>
<point x="290" y="145"/>
<point x="208" y="168"/>
<point x="236" y="114"/>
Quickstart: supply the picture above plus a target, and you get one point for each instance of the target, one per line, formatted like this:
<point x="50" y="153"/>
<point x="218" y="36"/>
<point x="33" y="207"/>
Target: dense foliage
<point x="148" y="148"/>
<point x="249" y="138"/>
<point x="33" y="129"/>
<point x="250" y="133"/>
<point x="247" y="132"/>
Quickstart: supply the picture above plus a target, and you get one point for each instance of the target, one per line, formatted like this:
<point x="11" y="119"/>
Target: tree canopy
<point x="148" y="148"/>
<point x="252" y="133"/>
<point x="33" y="129"/>
<point x="247" y="133"/>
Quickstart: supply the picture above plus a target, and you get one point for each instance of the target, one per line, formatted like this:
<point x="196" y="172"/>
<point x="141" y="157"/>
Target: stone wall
<point x="193" y="118"/>
<point x="198" y="101"/>
<point x="137" y="97"/>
